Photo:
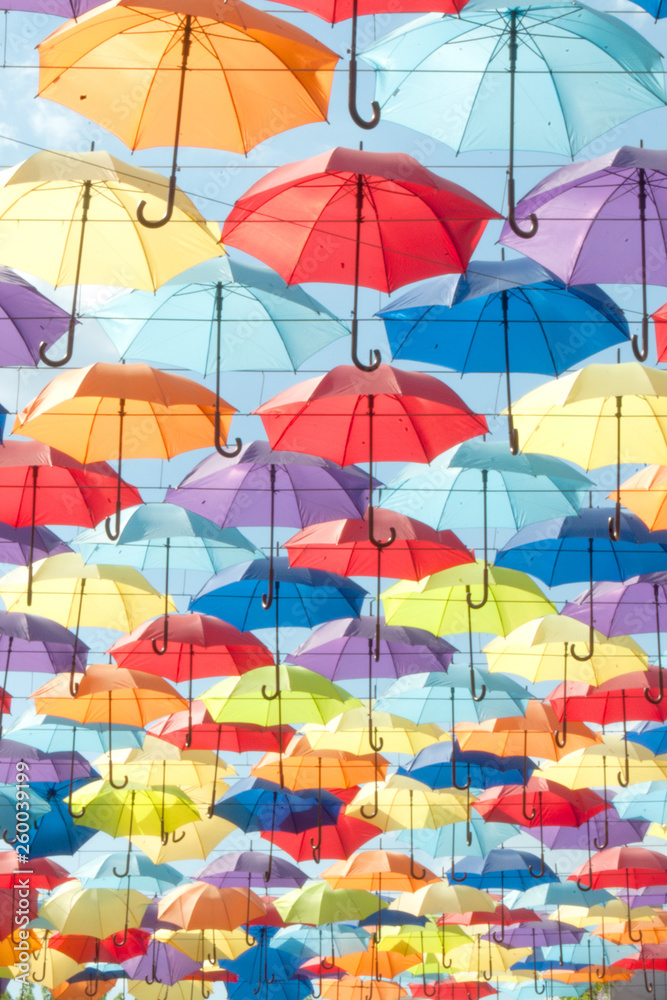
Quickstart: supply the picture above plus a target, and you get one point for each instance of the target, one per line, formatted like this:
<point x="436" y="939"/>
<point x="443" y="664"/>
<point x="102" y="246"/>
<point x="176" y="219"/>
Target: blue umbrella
<point x="488" y="69"/>
<point x="571" y="549"/>
<point x="433" y="766"/>
<point x="502" y="869"/>
<point x="304" y="597"/>
<point x="554" y="894"/>
<point x="441" y="842"/>
<point x="51" y="732"/>
<point x="649" y="735"/>
<point x="503" y="316"/>
<point x="647" y="800"/>
<point x="256" y="805"/>
<point x="102" y="872"/>
<point x="55" y="832"/>
<point x="306" y="942"/>
<point x="264" y="323"/>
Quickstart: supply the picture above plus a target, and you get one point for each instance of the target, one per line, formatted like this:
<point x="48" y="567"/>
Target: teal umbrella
<point x="165" y="536"/>
<point x="102" y="872"/>
<point x="265" y="324"/>
<point x="550" y="77"/>
<point x="482" y="482"/>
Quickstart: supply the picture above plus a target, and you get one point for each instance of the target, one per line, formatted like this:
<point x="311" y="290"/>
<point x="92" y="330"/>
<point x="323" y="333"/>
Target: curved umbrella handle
<point x="649" y="987"/>
<point x="615" y="523"/>
<point x="661" y="683"/>
<point x="605" y="841"/>
<point x="236" y="450"/>
<point x="114" y="784"/>
<point x="169" y="210"/>
<point x="267" y="599"/>
<point x="414" y="871"/>
<point x="371" y="814"/>
<point x="585" y="656"/>
<point x="640" y="348"/>
<point x="276" y="693"/>
<point x="73" y="814"/>
<point x="121" y="943"/>
<point x="93" y="981"/>
<point x="161" y="650"/>
<point x="7" y="839"/>
<point x="113" y="534"/>
<point x="533" y="812"/>
<point x="352" y="101"/>
<point x="374" y="356"/>
<point x="371" y="532"/>
<point x="40" y="979"/>
<point x="540" y="874"/>
<point x="458" y="878"/>
<point x="175" y="839"/>
<point x="127" y="867"/>
<point x="511" y="215"/>
<point x="488" y="976"/>
<point x="69" y="348"/>
<point x="499" y="938"/>
<point x="476" y="605"/>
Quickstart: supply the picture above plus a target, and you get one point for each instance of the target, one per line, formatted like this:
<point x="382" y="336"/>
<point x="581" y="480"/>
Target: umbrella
<point x="507" y="316"/>
<point x="199" y="906"/>
<point x="547" y="48"/>
<point x="317" y="903"/>
<point x="196" y="728"/>
<point x="372" y="204"/>
<point x="54" y="205"/>
<point x="194" y="58"/>
<point x="535" y="735"/>
<point x="263" y="486"/>
<point x="106" y="410"/>
<point x="580" y="416"/>
<point x="72" y="592"/>
<point x="262" y="321"/>
<point x="27" y="319"/>
<point x="335" y="840"/>
<point x="644" y="495"/>
<point x="73" y="909"/>
<point x="574" y="206"/>
<point x="242" y="868"/>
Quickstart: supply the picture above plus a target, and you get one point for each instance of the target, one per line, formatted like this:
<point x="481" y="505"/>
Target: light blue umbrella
<point x="645" y="800"/>
<point x="550" y="76"/>
<point x="430" y="698"/>
<point x="104" y="871"/>
<point x="50" y="732"/>
<point x="265" y="324"/>
<point x="306" y="942"/>
<point x="549" y="895"/>
<point x="452" y="840"/>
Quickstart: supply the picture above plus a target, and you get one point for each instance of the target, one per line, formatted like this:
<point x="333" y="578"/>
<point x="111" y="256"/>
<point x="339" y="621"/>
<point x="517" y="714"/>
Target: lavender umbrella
<point x="28" y="318"/>
<point x="264" y="487"/>
<point x="51" y="768"/>
<point x="243" y="868"/>
<point x="59" y="8"/>
<point x="162" y="963"/>
<point x="600" y="220"/>
<point x="19" y="546"/>
<point x="572" y="838"/>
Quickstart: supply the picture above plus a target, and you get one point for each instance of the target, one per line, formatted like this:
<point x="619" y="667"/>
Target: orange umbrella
<point x="302" y="767"/>
<point x="535" y="735"/>
<point x="81" y="989"/>
<point x="380" y="964"/>
<point x="200" y="906"/>
<point x="214" y="75"/>
<point x="645" y="494"/>
<point x="653" y="929"/>
<point x="375" y="871"/>
<point x="133" y="411"/>
<point x="354" y="988"/>
<point x="109" y="694"/>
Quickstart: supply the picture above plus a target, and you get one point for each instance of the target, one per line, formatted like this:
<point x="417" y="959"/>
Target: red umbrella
<point x="44" y="873"/>
<point x="380" y="220"/>
<point x="210" y="735"/>
<point x="339" y="840"/>
<point x="344" y="547"/>
<point x="40" y="485"/>
<point x="83" y="948"/>
<point x="221" y="650"/>
<point x="628" y="867"/>
<point x="451" y="990"/>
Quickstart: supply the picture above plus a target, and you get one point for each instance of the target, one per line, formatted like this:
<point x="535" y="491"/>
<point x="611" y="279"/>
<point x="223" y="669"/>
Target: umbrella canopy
<point x="27" y="319"/>
<point x="73" y="909"/>
<point x="200" y="906"/>
<point x="318" y="903"/>
<point x="263" y="320"/>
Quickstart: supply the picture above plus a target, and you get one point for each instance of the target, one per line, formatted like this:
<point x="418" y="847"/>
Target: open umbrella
<point x="346" y="216"/>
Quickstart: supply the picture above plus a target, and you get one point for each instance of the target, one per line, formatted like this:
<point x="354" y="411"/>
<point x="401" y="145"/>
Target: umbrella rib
<point x="482" y="76"/>
<point x="173" y="30"/>
<point x="520" y="292"/>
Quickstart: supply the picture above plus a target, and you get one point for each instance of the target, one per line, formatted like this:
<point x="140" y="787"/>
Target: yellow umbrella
<point x="96" y="912"/>
<point x="349" y="731"/>
<point x="591" y="767"/>
<point x="70" y="218"/>
<point x="486" y="956"/>
<point x="200" y="838"/>
<point x="187" y="769"/>
<point x="202" y="944"/>
<point x="538" y="651"/>
<point x="442" y="898"/>
<point x="120" y="812"/>
<point x="599" y="415"/>
<point x="184" y="989"/>
<point x="405" y="804"/>
<point x="421" y="940"/>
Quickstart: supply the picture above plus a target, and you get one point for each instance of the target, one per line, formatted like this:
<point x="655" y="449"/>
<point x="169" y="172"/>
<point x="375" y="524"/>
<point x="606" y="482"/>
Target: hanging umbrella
<point x="317" y="903"/>
<point x="100" y="912"/>
<point x="73" y="593"/>
<point x="303" y="767"/>
<point x="535" y="735"/>
<point x="580" y="416"/>
<point x="27" y="319"/>
<point x="503" y="869"/>
<point x="196" y="728"/>
<point x="373" y="204"/>
<point x="111" y="410"/>
<point x="335" y="840"/>
<point x="242" y="868"/>
<point x="54" y="206"/>
<point x="516" y="59"/>
<point x="132" y="809"/>
<point x="195" y="840"/>
<point x="502" y="316"/>
<point x="264" y="323"/>
<point x="575" y="204"/>
<point x="193" y="58"/>
<point x="200" y="906"/>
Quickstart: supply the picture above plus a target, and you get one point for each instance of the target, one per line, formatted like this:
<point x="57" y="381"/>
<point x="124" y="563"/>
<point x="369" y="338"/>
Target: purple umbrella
<point x="51" y="768"/>
<point x="36" y="644"/>
<point x="619" y="832"/>
<point x="636" y="607"/>
<point x="244" y="868"/>
<point x="162" y="963"/>
<point x="338" y="650"/>
<point x="599" y="220"/>
<point x="264" y="487"/>
<point x="28" y="318"/>
<point x="19" y="546"/>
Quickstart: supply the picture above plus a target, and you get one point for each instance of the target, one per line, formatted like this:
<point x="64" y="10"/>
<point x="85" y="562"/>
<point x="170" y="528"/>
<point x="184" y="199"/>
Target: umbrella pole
<point x="85" y="205"/>
<point x="638" y="939"/>
<point x="375" y="358"/>
<point x="250" y="941"/>
<point x="640" y="351"/>
<point x="615" y="521"/>
<point x="317" y="847"/>
<point x="485" y="584"/>
<point x="373" y="742"/>
<point x="624" y="776"/>
<point x="217" y="436"/>
<point x="605" y="841"/>
<point x="591" y="620"/>
<point x="513" y="433"/>
<point x="453" y="876"/>
<point x="535" y="979"/>
<point x="661" y="682"/>
<point x="114" y="534"/>
<point x="126" y="778"/>
<point x="126" y="873"/>
<point x="4" y="682"/>
<point x="71" y="781"/>
<point x="45" y="946"/>
<point x="267" y="599"/>
<point x="276" y="693"/>
<point x="211" y="808"/>
<point x="73" y="688"/>
<point x="475" y="696"/>
<point x="161" y="650"/>
<point x="499" y="940"/>
<point x="446" y="963"/>
<point x="561" y="737"/>
<point x="267" y="873"/>
<point x="425" y="988"/>
<point x="188" y="735"/>
<point x="540" y="873"/>
<point x="455" y="783"/>
<point x="511" y="204"/>
<point x="371" y="514"/>
<point x="413" y="871"/>
<point x="324" y="963"/>
<point x="533" y="811"/>
<point x="33" y="470"/>
<point x="580" y="884"/>
<point x="171" y="193"/>
<point x="121" y="943"/>
<point x="649" y="987"/>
